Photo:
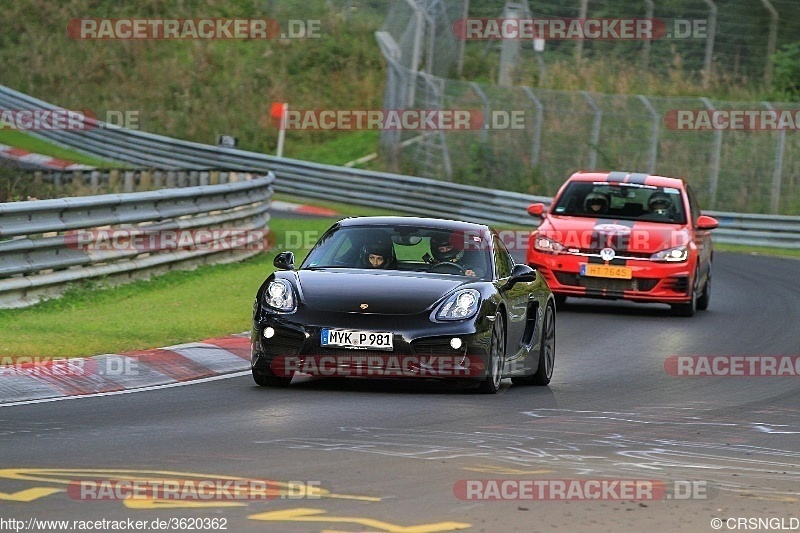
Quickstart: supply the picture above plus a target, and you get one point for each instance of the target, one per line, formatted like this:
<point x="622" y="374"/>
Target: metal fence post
<point x="712" y="31"/>
<point x="773" y="37"/>
<point x="777" y="170"/>
<point x="594" y="142"/>
<point x="581" y="15"/>
<point x="536" y="144"/>
<point x="715" y="158"/>
<point x="486" y="109"/>
<point x="462" y="42"/>
<point x="651" y="164"/>
<point x="648" y="14"/>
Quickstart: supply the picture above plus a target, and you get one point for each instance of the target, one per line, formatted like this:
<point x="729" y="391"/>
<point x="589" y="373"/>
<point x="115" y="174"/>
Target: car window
<point x="412" y="248"/>
<point x="626" y="201"/>
<point x="503" y="262"/>
<point x="694" y="207"/>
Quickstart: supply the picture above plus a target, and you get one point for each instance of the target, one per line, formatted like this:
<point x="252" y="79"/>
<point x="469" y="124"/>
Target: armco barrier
<point x="39" y="253"/>
<point x="407" y="194"/>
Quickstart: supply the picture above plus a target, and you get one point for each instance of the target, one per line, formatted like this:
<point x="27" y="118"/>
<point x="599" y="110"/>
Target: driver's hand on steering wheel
<point x="470" y="272"/>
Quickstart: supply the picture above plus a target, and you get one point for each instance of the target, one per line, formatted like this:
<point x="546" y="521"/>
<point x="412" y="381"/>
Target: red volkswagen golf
<point x="624" y="235"/>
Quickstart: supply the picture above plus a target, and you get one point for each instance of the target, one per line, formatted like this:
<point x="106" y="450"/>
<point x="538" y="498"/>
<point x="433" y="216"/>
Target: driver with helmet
<point x="443" y="251"/>
<point x="660" y="204"/>
<point x="596" y="204"/>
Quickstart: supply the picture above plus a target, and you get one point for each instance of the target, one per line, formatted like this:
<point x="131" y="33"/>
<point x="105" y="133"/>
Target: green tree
<point x="786" y="76"/>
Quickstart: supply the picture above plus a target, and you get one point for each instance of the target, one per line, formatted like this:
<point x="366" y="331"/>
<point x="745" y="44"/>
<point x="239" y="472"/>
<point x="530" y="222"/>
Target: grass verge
<point x="19" y="139"/>
<point x="181" y="306"/>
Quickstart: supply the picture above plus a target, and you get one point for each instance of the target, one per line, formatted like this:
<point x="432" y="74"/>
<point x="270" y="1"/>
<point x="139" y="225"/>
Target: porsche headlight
<point x="460" y="305"/>
<point x="279" y="295"/>
<point x="677" y="254"/>
<point x="547" y="245"/>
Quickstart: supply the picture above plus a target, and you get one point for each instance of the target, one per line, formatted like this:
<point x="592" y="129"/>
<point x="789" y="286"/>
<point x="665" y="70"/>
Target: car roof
<point x="438" y="223"/>
<point x="630" y="177"/>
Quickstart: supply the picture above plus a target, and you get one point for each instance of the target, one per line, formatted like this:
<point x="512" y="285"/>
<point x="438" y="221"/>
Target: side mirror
<point x="536" y="210"/>
<point x="521" y="274"/>
<point x="284" y="261"/>
<point x="706" y="222"/>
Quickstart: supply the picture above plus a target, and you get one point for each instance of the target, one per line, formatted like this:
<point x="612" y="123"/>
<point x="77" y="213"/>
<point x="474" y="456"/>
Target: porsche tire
<point x="547" y="353"/>
<point x="497" y="357"/>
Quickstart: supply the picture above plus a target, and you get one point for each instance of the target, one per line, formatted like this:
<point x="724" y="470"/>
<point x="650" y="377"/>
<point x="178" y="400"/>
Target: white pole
<point x="282" y="130"/>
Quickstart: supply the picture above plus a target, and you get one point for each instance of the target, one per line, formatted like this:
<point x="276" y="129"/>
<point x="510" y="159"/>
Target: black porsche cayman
<point x="398" y="297"/>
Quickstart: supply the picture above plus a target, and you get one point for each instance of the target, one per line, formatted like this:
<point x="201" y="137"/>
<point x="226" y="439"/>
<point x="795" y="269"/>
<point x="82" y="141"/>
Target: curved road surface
<point x="389" y="454"/>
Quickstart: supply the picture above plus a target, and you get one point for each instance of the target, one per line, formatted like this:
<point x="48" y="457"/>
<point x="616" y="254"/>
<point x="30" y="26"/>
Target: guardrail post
<point x="715" y="158"/>
<point x="145" y="180"/>
<point x="94" y="180"/>
<point x="129" y="181"/>
<point x="113" y="178"/>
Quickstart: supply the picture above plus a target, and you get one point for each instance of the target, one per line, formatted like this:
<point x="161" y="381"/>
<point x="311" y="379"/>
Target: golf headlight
<point x="679" y="253"/>
<point x="279" y="295"/>
<point x="547" y="245"/>
<point x="460" y="305"/>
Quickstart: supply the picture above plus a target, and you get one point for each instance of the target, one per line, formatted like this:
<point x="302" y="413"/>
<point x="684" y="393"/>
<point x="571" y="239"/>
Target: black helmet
<point x="451" y="253"/>
<point x="595" y="199"/>
<point x="659" y="202"/>
<point x="378" y="247"/>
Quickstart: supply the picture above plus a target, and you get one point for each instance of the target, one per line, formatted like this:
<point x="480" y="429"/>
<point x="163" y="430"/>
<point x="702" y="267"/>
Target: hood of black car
<point x="387" y="292"/>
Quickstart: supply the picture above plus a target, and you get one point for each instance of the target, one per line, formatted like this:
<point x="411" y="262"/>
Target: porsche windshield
<point x="621" y="201"/>
<point x="408" y="248"/>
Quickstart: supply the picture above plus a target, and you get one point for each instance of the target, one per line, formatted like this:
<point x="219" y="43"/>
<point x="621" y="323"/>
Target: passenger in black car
<point x="377" y="254"/>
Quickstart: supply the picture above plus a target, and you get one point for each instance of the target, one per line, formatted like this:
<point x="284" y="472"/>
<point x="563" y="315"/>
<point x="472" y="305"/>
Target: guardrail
<point x="413" y="195"/>
<point x="45" y="244"/>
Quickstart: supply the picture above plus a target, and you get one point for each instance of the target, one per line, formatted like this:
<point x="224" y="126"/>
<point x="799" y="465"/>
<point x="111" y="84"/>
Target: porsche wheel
<point x="547" y="353"/>
<point x="497" y="357"/>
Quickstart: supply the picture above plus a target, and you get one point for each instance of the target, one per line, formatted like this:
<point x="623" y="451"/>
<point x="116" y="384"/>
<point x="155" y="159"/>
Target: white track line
<point x="127" y="391"/>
